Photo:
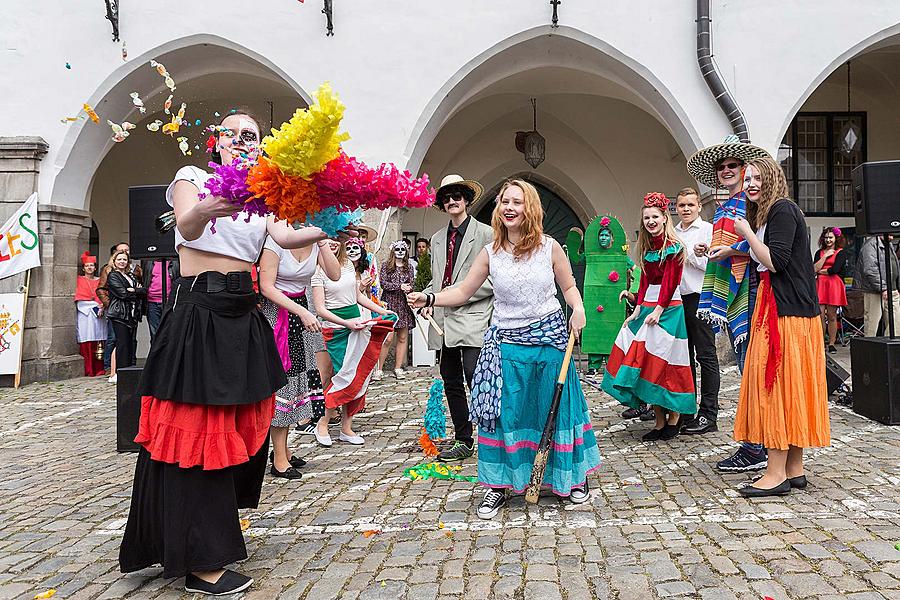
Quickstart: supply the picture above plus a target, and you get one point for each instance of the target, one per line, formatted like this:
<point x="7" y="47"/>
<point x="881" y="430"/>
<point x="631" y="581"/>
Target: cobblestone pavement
<point x="661" y="522"/>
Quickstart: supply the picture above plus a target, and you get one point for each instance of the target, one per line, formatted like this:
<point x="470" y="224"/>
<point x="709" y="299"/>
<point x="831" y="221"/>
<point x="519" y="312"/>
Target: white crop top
<point x="237" y="238"/>
<point x="293" y="275"/>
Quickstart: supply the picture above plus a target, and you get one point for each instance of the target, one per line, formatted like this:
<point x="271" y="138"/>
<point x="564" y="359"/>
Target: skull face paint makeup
<point x="354" y="252"/>
<point x="400" y="252"/>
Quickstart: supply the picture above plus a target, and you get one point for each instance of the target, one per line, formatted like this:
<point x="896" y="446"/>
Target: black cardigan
<point x="840" y="259"/>
<point x="794" y="277"/>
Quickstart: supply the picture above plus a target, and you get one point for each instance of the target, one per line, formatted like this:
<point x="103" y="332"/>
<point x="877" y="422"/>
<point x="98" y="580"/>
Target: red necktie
<point x="448" y="270"/>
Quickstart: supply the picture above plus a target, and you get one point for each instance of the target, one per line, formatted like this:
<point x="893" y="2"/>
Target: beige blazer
<point x="463" y="325"/>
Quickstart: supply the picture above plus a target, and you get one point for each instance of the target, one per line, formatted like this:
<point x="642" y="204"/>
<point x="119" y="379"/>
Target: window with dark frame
<point x="817" y="169"/>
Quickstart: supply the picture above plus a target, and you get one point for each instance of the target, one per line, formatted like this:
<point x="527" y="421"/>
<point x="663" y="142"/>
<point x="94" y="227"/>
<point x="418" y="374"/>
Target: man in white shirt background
<point x="697" y="235"/>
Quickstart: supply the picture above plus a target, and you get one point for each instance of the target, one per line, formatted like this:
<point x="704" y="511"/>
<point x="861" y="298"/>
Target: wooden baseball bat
<point x="543" y="452"/>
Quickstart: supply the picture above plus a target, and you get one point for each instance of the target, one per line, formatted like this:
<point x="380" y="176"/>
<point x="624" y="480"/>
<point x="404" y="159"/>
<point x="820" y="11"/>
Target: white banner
<point x="12" y="327"/>
<point x="19" y="250"/>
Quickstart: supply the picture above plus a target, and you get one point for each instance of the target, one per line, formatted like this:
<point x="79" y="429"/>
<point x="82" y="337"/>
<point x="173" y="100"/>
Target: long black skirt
<point x="187" y="519"/>
<point x="213" y="348"/>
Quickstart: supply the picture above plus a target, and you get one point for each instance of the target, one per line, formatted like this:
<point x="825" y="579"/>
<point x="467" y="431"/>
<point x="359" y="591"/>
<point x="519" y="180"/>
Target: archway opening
<point x="610" y="135"/>
<point x="212" y="80"/>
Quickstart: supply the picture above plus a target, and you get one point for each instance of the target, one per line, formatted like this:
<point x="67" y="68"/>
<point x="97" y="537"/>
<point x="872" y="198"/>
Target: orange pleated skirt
<point x="795" y="411"/>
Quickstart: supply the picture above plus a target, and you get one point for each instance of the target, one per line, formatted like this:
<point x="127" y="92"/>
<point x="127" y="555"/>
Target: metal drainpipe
<point x="713" y="78"/>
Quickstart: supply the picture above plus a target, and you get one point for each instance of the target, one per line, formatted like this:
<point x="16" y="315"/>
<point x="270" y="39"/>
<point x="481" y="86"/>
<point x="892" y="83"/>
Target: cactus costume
<point x="605" y="277"/>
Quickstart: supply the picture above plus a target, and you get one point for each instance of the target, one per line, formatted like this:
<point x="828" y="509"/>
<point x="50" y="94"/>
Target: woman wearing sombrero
<point x="726" y="299"/>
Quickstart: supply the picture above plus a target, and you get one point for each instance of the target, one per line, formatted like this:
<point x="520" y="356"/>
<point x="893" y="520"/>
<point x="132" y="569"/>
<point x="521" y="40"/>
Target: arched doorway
<point x="612" y="131"/>
<point x="213" y="77"/>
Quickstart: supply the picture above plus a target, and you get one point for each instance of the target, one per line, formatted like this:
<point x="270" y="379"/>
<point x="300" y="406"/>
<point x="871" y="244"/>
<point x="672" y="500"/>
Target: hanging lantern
<point x="531" y="143"/>
<point x="851" y="135"/>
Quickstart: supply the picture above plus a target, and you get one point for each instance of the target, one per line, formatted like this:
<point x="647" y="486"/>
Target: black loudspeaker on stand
<point x="128" y="408"/>
<point x="145" y="204"/>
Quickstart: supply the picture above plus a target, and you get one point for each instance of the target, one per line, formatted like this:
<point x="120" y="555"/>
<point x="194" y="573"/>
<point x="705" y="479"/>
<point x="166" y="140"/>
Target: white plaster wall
<point x="390" y="59"/>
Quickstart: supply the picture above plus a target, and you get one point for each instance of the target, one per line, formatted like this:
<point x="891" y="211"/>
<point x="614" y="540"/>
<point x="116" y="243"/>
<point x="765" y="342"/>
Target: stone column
<point x="50" y="351"/>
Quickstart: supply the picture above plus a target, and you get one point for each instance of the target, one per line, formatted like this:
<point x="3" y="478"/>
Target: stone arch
<point x="885" y="37"/>
<point x="575" y="49"/>
<point x="85" y="144"/>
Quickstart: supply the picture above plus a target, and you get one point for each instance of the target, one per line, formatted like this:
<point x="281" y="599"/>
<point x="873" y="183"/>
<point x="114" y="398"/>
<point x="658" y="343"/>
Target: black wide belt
<point x="213" y="282"/>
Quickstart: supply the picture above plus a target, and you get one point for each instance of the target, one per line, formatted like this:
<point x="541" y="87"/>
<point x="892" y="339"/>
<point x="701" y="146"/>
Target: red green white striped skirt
<point x="650" y="363"/>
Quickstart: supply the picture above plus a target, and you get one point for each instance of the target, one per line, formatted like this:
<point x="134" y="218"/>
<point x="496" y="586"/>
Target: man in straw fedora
<point x="453" y="250"/>
<point x="727" y="296"/>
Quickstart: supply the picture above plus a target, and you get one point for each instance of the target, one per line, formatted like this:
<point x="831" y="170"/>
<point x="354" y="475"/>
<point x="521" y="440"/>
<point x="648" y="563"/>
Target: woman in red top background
<point x="90" y="327"/>
<point x="829" y="263"/>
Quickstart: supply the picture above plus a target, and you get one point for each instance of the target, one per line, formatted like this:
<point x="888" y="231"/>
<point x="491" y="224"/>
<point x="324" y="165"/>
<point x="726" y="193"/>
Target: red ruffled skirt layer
<point x="212" y="437"/>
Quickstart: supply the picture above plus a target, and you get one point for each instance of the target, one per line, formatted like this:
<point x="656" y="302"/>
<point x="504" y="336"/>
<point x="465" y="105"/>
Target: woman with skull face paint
<point x="208" y="387"/>
<point x="397" y="277"/>
<point x="338" y="304"/>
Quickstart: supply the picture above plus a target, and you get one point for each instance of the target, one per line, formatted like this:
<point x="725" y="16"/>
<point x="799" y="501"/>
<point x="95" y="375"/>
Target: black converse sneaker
<point x="230" y="582"/>
<point x="579" y="495"/>
<point x="494" y="498"/>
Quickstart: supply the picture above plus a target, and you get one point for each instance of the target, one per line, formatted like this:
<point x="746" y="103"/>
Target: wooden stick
<point x="543" y="452"/>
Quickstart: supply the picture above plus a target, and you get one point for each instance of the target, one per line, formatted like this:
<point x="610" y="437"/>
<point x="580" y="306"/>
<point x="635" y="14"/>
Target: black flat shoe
<point x="798" y="482"/>
<point x="295" y="462"/>
<point x="289" y="473"/>
<point x="832" y="349"/>
<point x="652" y="435"/>
<point x="669" y="432"/>
<point x="231" y="582"/>
<point x="781" y="489"/>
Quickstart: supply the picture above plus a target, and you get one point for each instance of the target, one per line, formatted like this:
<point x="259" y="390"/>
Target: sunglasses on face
<point x="453" y="196"/>
<point x="731" y="166"/>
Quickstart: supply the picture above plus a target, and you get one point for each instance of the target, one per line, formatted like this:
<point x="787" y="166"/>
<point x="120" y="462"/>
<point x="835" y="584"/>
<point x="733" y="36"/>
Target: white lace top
<point x="524" y="288"/>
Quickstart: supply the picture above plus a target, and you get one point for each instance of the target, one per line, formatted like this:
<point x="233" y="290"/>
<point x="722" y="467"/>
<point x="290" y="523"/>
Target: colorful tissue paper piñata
<point x="350" y="183"/>
<point x="230" y="182"/>
<point x="435" y="417"/>
<point x="288" y="197"/>
<point x="332" y="220"/>
<point x="303" y="145"/>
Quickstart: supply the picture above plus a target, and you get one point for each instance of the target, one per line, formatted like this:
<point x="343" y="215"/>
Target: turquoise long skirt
<point x="505" y="457"/>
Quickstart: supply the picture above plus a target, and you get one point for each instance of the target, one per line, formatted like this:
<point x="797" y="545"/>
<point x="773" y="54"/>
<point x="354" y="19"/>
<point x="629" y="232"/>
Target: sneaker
<point x="114" y="378"/>
<point x="647" y="414"/>
<point x="490" y="505"/>
<point x="377" y="375"/>
<point x="459" y="451"/>
<point x="308" y="429"/>
<point x="631" y="413"/>
<point x="832" y="349"/>
<point x="743" y="460"/>
<point x="230" y="582"/>
<point x="399" y="374"/>
<point x="579" y="495"/>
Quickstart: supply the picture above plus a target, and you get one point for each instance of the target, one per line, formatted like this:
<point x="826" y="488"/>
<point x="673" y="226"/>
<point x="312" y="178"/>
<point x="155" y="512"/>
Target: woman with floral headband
<point x="829" y="263"/>
<point x="397" y="276"/>
<point x="649" y="361"/>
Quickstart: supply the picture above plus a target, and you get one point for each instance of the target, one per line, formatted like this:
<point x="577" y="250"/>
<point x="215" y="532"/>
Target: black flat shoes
<point x="798" y="482"/>
<point x="781" y="489"/>
<point x="295" y="462"/>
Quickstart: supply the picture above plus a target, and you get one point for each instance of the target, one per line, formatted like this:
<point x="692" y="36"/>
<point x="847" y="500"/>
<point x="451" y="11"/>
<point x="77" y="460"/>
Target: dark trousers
<point x="702" y="343"/>
<point x="109" y="346"/>
<point x="124" y="344"/>
<point x="458" y="363"/>
<point x="154" y="314"/>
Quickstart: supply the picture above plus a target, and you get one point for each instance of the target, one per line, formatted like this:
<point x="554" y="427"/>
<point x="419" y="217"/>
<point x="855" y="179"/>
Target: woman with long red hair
<point x="829" y="263"/>
<point x="522" y="355"/>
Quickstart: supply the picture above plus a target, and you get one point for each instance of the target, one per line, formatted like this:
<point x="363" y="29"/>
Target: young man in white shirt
<point x="697" y="236"/>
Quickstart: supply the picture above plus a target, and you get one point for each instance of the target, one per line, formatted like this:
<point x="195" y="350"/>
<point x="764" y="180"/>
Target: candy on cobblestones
<point x="370" y="532"/>
<point x="245" y="524"/>
<point x="48" y="594"/>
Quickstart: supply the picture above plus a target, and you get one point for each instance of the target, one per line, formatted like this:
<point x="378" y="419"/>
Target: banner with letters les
<point x="12" y="319"/>
<point x="19" y="249"/>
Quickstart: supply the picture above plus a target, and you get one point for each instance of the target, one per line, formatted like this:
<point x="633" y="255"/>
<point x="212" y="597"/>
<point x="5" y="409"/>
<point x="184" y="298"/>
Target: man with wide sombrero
<point x="453" y="250"/>
<point x="726" y="297"/>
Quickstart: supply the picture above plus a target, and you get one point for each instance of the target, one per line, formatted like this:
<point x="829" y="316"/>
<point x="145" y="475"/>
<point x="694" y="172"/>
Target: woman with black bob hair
<point x="208" y="387"/>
